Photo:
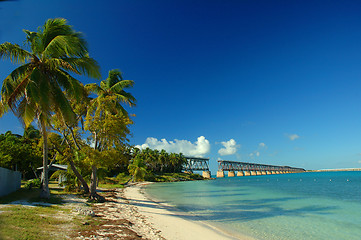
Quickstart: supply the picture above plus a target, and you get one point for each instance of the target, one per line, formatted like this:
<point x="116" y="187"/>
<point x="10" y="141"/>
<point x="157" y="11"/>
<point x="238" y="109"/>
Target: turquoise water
<point x="289" y="206"/>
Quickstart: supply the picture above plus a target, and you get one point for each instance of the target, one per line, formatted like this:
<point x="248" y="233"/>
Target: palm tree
<point x="137" y="168"/>
<point x="108" y="103"/>
<point x="113" y="86"/>
<point x="34" y="90"/>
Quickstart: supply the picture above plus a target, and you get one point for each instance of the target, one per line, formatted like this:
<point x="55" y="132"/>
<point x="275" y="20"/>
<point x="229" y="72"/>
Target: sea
<point x="310" y="205"/>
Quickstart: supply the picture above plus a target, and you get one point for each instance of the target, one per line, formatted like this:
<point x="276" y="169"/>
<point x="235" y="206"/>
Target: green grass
<point x="24" y="222"/>
<point x="39" y="222"/>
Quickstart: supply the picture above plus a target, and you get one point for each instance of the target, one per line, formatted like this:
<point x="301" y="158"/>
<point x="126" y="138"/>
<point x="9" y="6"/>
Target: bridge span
<point x="242" y="168"/>
<point x="250" y="169"/>
<point x="197" y="164"/>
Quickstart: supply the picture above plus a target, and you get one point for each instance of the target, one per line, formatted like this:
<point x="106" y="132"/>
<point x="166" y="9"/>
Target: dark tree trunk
<point x="93" y="187"/>
<point x="93" y="181"/>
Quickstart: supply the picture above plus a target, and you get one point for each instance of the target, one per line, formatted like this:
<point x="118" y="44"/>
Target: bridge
<point x="250" y="169"/>
<point x="197" y="164"/>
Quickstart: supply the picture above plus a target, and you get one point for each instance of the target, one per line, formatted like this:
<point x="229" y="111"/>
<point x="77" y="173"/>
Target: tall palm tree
<point x="111" y="91"/>
<point x="34" y="90"/>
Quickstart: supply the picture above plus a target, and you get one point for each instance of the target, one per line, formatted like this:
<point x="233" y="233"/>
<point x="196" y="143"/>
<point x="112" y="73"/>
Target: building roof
<point x="55" y="167"/>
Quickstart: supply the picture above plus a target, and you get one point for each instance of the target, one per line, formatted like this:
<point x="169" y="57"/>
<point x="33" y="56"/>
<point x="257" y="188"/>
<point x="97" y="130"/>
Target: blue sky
<point x="274" y="82"/>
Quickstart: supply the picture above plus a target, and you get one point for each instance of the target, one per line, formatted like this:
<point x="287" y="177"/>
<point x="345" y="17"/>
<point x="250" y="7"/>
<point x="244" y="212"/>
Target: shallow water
<point x="289" y="206"/>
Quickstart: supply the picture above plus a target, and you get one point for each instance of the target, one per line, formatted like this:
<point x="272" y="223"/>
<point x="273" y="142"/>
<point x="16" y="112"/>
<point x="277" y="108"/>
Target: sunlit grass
<point x="36" y="222"/>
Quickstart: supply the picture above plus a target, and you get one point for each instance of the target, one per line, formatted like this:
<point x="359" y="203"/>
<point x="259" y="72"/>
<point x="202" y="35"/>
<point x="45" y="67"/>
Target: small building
<point x="57" y="167"/>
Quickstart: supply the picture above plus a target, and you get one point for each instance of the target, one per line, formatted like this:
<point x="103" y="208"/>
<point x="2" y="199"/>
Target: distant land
<point x="336" y="170"/>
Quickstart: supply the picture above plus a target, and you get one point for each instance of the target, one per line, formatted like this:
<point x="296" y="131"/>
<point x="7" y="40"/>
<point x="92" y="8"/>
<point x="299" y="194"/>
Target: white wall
<point x="10" y="181"/>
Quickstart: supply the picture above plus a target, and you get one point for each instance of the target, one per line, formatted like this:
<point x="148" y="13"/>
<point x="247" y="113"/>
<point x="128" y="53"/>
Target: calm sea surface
<point x="289" y="206"/>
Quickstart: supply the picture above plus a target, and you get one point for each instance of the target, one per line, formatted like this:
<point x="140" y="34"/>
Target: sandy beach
<point x="172" y="225"/>
<point x="130" y="214"/>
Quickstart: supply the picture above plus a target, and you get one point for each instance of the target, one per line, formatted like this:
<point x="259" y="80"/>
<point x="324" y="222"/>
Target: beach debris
<point x="86" y="212"/>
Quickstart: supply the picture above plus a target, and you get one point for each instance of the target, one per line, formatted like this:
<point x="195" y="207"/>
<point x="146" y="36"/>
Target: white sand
<point x="172" y="225"/>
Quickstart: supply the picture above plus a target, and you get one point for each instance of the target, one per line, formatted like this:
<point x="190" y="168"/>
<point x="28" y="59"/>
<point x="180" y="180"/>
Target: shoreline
<point x="171" y="224"/>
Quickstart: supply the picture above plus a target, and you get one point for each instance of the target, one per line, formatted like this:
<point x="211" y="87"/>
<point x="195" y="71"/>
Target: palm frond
<point x="59" y="27"/>
<point x="21" y="71"/>
<point x="114" y="76"/>
<point x="126" y="98"/>
<point x="56" y="63"/>
<point x="72" y="86"/>
<point x="18" y="93"/>
<point x="85" y="65"/>
<point x="27" y="111"/>
<point x="65" y="46"/>
<point x="62" y="105"/>
<point x="14" y="52"/>
<point x="32" y="39"/>
<point x="117" y="87"/>
<point x="94" y="88"/>
<point x="2" y="109"/>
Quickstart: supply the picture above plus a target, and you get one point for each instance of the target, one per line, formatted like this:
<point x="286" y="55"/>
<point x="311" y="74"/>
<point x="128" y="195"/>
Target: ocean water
<point x="324" y="205"/>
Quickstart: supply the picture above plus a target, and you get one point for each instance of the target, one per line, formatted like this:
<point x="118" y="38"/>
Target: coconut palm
<point x="113" y="86"/>
<point x="34" y="90"/>
<point x="107" y="104"/>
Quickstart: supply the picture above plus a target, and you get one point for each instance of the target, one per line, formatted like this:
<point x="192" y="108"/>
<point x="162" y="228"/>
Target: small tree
<point x="137" y="169"/>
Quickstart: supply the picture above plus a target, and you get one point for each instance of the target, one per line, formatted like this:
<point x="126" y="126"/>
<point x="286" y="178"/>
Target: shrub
<point x="32" y="183"/>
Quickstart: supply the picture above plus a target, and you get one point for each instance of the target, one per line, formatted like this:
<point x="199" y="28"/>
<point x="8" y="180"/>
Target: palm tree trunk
<point x="71" y="162"/>
<point x="93" y="182"/>
<point x="79" y="176"/>
<point x="45" y="193"/>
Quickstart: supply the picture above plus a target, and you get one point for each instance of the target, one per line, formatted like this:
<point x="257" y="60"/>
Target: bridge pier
<point x="220" y="173"/>
<point x="231" y="174"/>
<point x="206" y="174"/>
<point x="240" y="173"/>
<point x="264" y="173"/>
<point x="247" y="173"/>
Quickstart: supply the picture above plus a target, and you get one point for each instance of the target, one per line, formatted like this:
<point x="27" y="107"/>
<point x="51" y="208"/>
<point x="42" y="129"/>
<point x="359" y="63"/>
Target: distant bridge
<point x="249" y="169"/>
<point x="197" y="164"/>
<point x="242" y="168"/>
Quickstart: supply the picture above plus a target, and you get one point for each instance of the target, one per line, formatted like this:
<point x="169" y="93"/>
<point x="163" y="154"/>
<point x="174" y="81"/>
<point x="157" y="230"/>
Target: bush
<point x="33" y="183"/>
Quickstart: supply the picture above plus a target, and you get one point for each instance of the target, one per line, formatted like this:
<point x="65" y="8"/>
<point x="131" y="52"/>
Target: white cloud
<point x="293" y="137"/>
<point x="262" y="145"/>
<point x="196" y="149"/>
<point x="254" y="154"/>
<point x="359" y="161"/>
<point x="230" y="148"/>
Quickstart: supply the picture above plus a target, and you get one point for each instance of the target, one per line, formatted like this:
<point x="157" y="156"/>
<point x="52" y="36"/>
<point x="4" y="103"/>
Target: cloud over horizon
<point x="197" y="149"/>
<point x="229" y="148"/>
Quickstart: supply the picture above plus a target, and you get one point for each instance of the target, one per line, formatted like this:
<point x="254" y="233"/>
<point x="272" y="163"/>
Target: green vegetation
<point x="20" y="152"/>
<point x="174" y="177"/>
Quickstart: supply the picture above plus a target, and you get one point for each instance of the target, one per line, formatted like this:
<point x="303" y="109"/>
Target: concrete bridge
<point x="197" y="164"/>
<point x="250" y="169"/>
